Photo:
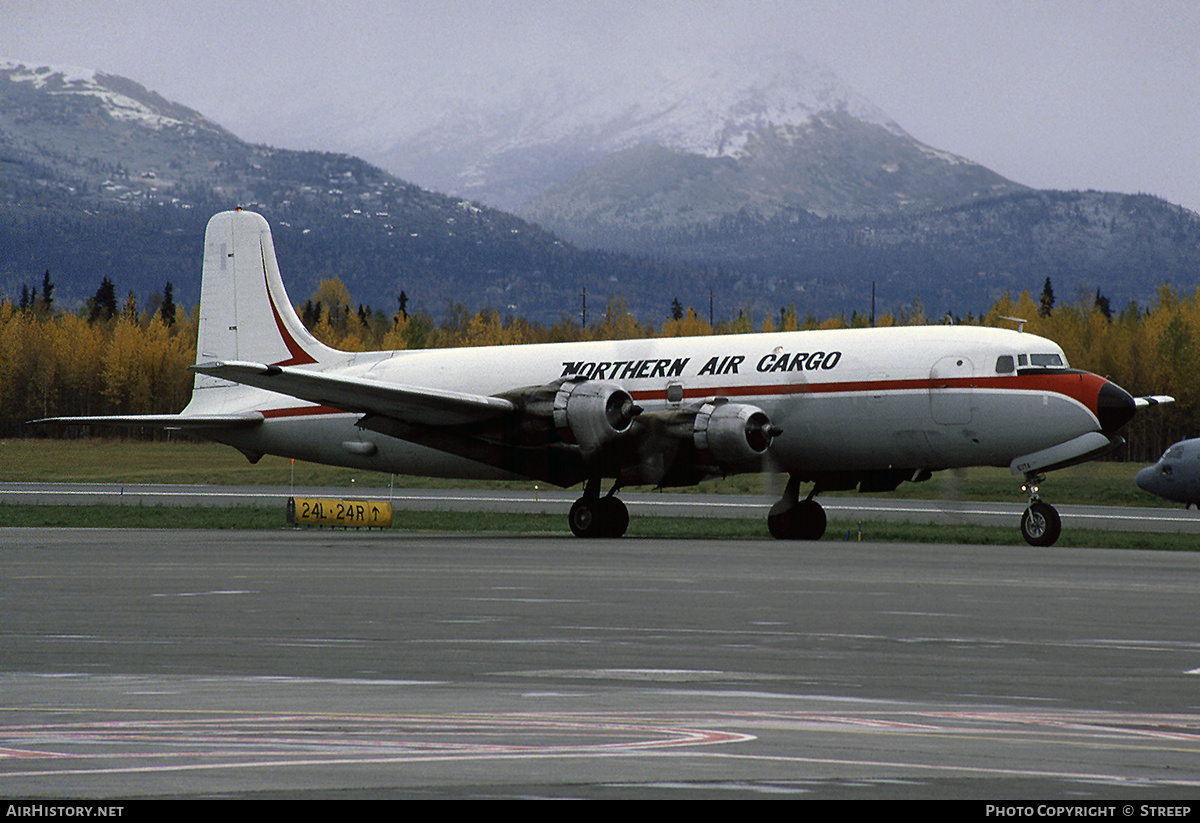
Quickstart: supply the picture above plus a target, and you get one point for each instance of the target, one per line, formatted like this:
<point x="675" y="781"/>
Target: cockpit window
<point x="1173" y="453"/>
<point x="1004" y="364"/>
<point x="1053" y="360"/>
<point x="1022" y="360"/>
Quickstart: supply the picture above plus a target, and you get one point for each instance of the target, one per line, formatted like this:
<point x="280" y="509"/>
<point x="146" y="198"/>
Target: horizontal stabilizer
<point x="1153" y="400"/>
<point x="164" y="421"/>
<point x="411" y="404"/>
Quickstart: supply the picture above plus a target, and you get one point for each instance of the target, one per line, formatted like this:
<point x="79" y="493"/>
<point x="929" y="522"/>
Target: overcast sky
<point x="1065" y="94"/>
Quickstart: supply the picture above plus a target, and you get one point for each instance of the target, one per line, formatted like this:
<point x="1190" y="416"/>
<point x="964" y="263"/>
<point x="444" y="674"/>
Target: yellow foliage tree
<point x="618" y="323"/>
<point x="687" y="326"/>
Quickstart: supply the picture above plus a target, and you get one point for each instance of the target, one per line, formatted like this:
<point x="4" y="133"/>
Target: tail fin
<point x="244" y="309"/>
<point x="245" y="315"/>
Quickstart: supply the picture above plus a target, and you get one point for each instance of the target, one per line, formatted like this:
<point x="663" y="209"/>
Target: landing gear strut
<point x="596" y="516"/>
<point x="794" y="519"/>
<point x="1040" y="524"/>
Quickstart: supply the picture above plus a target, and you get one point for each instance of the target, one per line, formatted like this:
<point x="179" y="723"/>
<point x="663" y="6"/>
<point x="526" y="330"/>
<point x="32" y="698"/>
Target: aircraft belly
<point x="334" y="439"/>
<point x="865" y="431"/>
<point x="853" y="432"/>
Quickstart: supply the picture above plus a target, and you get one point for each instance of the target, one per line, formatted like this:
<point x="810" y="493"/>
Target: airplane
<point x="1176" y="475"/>
<point x="841" y="409"/>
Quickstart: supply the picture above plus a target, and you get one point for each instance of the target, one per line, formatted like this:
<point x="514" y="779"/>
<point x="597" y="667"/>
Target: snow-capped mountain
<point x="754" y="188"/>
<point x="84" y="131"/>
<point x="121" y="97"/>
<point x="100" y="177"/>
<point x="511" y="143"/>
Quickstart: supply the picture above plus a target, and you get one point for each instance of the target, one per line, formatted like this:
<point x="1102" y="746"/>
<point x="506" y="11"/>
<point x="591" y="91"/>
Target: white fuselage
<point x="846" y="400"/>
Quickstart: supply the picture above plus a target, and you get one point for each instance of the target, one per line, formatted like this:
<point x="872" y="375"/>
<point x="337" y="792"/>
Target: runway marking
<point x="649" y="675"/>
<point x="260" y="740"/>
<point x="129" y="741"/>
<point x="204" y="594"/>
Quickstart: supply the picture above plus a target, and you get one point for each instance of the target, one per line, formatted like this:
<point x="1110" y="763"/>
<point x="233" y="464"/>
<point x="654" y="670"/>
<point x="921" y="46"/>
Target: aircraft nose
<point x="1114" y="408"/>
<point x="1146" y="477"/>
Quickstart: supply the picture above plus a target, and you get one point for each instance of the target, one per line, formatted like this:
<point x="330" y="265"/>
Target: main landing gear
<point x="596" y="516"/>
<point x="794" y="519"/>
<point x="1040" y="524"/>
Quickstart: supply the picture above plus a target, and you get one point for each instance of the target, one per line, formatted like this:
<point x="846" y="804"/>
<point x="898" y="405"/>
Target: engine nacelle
<point x="732" y="433"/>
<point x="591" y="413"/>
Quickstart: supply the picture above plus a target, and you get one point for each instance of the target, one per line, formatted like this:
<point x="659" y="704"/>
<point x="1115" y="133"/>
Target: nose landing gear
<point x="1040" y="524"/>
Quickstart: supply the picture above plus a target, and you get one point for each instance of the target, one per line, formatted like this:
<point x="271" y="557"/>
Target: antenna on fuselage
<point x="1020" y="321"/>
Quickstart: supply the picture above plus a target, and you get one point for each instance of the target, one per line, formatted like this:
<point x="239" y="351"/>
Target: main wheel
<point x="803" y="521"/>
<point x="598" y="517"/>
<point x="1040" y="524"/>
<point x="614" y="517"/>
<point x="583" y="518"/>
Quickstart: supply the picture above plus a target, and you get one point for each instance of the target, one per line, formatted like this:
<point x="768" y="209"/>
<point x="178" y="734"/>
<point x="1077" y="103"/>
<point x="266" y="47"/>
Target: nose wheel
<point x="1040" y="524"/>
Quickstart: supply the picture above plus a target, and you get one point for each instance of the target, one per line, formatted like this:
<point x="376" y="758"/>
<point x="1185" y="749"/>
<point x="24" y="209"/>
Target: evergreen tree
<point x="1046" y="304"/>
<point x="104" y="303"/>
<point x="47" y="293"/>
<point x="676" y="309"/>
<point x="1103" y="305"/>
<point x="167" y="309"/>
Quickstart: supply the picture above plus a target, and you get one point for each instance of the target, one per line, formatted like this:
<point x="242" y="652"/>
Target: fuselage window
<point x="1004" y="364"/>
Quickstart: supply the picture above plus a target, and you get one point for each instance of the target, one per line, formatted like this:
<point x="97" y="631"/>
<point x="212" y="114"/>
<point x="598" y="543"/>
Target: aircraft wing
<point x="411" y="404"/>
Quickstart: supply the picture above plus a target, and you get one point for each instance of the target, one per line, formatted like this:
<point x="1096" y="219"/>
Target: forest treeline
<point x="122" y="358"/>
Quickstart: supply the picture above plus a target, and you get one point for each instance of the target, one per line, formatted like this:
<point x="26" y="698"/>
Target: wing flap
<point x="412" y="404"/>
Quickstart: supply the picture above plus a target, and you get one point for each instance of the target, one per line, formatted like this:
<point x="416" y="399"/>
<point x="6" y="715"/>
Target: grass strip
<point x="263" y="518"/>
<point x="113" y="460"/>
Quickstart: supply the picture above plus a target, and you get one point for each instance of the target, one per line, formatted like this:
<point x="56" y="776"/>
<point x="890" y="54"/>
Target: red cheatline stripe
<point x="1080" y="386"/>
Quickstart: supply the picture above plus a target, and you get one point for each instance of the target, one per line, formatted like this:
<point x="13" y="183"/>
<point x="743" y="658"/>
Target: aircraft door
<point x="951" y="399"/>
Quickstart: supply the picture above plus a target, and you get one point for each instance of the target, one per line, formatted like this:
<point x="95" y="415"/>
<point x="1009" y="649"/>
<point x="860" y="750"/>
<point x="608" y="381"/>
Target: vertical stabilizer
<point x="245" y="313"/>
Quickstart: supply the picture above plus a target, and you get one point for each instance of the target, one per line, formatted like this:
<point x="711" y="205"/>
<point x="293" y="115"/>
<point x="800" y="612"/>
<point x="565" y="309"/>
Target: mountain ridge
<point x="97" y="183"/>
<point x="513" y="144"/>
<point x="115" y="181"/>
